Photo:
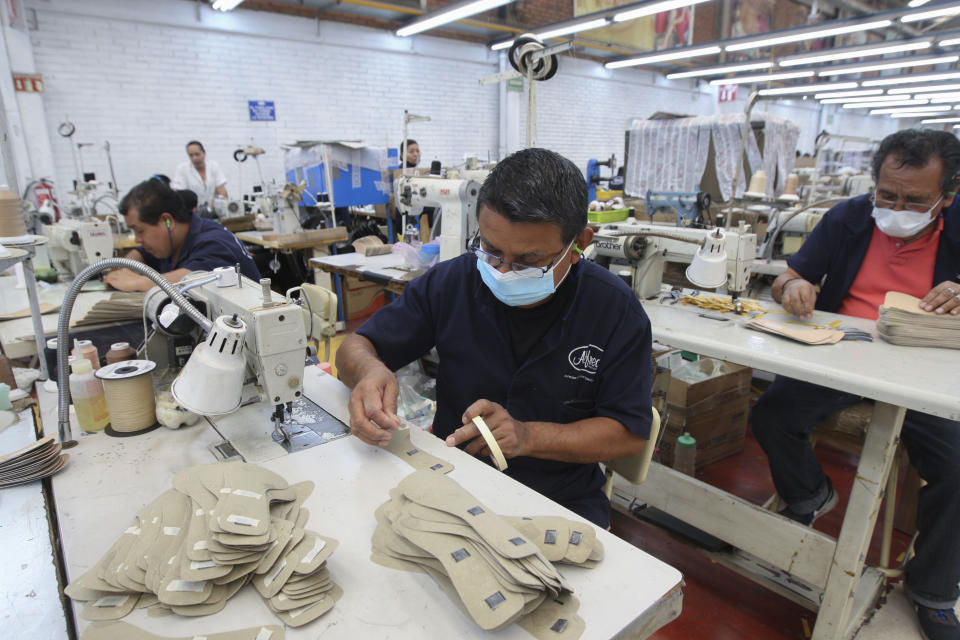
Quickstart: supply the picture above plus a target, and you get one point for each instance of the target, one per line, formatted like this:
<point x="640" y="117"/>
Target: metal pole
<point x="30" y="280"/>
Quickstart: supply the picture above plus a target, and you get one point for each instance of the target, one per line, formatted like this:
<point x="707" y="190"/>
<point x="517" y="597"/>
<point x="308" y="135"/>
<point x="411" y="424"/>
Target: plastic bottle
<point x="685" y="454"/>
<point x="86" y="392"/>
<point x="120" y="351"/>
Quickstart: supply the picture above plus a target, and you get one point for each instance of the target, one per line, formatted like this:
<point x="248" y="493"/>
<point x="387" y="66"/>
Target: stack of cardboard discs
<point x="495" y="571"/>
<point x="37" y="460"/>
<point x="220" y="527"/>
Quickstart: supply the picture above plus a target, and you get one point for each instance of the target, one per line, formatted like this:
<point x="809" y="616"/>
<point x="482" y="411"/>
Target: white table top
<point x="110" y="479"/>
<point x="27" y="576"/>
<point x="919" y="378"/>
<point x="16" y="335"/>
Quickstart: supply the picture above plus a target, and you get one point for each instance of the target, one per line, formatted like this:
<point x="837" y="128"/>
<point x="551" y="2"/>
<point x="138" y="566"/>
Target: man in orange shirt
<point x="904" y="237"/>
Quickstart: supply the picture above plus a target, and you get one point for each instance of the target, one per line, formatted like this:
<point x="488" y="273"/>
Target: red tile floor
<point x="718" y="604"/>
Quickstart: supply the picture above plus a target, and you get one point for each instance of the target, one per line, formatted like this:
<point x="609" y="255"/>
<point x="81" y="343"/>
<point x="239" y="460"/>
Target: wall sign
<point x="28" y="82"/>
<point x="262" y="110"/>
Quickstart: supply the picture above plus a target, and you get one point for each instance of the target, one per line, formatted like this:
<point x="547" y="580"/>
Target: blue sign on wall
<point x="262" y="110"/>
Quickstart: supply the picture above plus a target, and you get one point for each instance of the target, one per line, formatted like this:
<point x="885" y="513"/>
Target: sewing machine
<point x="275" y="342"/>
<point x="456" y="199"/>
<point x="647" y="247"/>
<point x="689" y="205"/>
<point x="226" y="208"/>
<point x="75" y="244"/>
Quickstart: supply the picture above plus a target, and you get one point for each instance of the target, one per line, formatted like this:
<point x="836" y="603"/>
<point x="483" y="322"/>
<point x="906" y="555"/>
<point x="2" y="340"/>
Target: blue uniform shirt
<point x="207" y="246"/>
<point x="838" y="244"/>
<point x="596" y="364"/>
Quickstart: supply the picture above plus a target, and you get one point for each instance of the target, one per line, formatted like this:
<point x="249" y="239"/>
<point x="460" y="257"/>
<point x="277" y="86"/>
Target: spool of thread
<point x="758" y="182"/>
<point x="120" y="351"/>
<point x="12" y="221"/>
<point x="86" y="349"/>
<point x="793" y="180"/>
<point x="128" y="386"/>
<point x="685" y="454"/>
<point x="436" y="168"/>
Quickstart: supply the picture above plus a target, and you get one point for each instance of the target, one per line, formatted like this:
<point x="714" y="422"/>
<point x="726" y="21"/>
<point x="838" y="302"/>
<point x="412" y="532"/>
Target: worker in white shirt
<point x="203" y="177"/>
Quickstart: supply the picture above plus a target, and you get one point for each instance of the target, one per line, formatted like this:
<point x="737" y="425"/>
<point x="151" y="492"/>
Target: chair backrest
<point x="323" y="304"/>
<point x="635" y="469"/>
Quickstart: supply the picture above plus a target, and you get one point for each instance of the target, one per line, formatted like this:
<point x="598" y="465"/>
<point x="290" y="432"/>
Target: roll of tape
<point x="496" y="454"/>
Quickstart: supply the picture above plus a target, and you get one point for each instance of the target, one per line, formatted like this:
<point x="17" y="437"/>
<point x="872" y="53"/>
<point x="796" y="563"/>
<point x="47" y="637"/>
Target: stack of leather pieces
<point x="498" y="570"/>
<point x="903" y="322"/>
<point x="221" y="527"/>
<point x="37" y="460"/>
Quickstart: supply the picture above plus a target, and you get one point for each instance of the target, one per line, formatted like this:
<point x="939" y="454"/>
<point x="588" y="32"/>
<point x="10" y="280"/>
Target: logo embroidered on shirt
<point x="585" y="358"/>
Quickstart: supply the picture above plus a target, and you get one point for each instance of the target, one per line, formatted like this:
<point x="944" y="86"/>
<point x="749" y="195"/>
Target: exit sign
<point x="727" y="93"/>
<point x="28" y="82"/>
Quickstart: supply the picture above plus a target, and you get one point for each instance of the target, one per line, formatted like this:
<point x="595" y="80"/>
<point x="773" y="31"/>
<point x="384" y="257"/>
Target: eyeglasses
<point x="916" y="207"/>
<point x="524" y="270"/>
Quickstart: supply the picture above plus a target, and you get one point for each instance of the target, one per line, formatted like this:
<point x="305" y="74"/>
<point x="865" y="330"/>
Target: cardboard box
<point x="719" y="432"/>
<point x="361" y="297"/>
<point x="709" y="393"/>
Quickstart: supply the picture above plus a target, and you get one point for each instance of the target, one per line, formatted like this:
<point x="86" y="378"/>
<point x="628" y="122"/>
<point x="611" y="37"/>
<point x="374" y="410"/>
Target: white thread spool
<point x="128" y="386"/>
<point x="793" y="181"/>
<point x="758" y="182"/>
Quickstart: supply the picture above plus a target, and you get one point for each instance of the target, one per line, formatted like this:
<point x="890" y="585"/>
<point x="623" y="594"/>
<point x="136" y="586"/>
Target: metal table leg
<point x="31" y="283"/>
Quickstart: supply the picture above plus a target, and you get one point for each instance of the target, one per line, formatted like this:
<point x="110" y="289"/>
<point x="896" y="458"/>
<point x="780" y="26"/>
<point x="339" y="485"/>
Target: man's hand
<point x="373" y="406"/>
<point x="124" y="279"/>
<point x="510" y="434"/>
<point x="798" y="297"/>
<point x="943" y="298"/>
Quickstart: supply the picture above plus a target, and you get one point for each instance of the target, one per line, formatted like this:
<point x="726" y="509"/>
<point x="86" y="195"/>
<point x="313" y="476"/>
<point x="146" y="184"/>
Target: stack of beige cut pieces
<point x="119" y="306"/>
<point x="220" y="527"/>
<point x="37" y="460"/>
<point x="124" y="631"/>
<point x="903" y="322"/>
<point x="497" y="569"/>
<point x="806" y="335"/>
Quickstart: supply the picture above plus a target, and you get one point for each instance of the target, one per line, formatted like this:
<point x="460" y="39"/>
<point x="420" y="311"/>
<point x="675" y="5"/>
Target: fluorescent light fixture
<point x="922" y="110"/>
<point x="449" y="13"/>
<point x="913" y="4"/>
<point x="905" y="78"/>
<point x="506" y="44"/>
<point x="929" y="88"/>
<point x="880" y="66"/>
<point x="848" y="94"/>
<point x="949" y="42"/>
<point x="680" y="54"/>
<point x="807" y="88"/>
<point x="226" y="5"/>
<point x="883" y="105"/>
<point x="716" y="71"/>
<point x="807" y="35"/>
<point x="769" y="77"/>
<point x="866" y="99"/>
<point x="939" y="120"/>
<point x="917" y="114"/>
<point x="860" y="52"/>
<point x="931" y="14"/>
<point x="653" y="8"/>
<point x="585" y="25"/>
<point x="939" y="98"/>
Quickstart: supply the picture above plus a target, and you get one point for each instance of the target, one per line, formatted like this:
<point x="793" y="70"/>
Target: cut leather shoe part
<point x="126" y="631"/>
<point x="195" y="546"/>
<point x="496" y="573"/>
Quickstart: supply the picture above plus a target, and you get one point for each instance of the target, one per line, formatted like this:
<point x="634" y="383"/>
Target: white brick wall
<point x="148" y="77"/>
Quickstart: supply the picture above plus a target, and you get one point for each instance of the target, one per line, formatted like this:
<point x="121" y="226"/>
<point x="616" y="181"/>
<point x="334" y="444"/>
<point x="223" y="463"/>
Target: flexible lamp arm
<point x="63" y="326"/>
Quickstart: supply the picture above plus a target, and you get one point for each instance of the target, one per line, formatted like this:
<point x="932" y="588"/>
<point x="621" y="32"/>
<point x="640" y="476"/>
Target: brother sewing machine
<point x="76" y="243"/>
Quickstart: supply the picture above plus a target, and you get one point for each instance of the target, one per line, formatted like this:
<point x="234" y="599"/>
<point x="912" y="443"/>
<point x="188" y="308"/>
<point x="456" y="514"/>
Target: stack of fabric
<point x="37" y="460"/>
<point x="903" y="322"/>
<point x="198" y="544"/>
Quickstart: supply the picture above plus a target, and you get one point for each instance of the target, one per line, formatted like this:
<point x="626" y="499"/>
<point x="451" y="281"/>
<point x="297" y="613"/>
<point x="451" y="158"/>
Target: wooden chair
<point x="634" y="469"/>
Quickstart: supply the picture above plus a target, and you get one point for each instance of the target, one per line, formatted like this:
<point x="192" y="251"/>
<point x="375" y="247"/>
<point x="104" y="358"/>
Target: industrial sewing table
<point x="897" y="378"/>
<point x="108" y="480"/>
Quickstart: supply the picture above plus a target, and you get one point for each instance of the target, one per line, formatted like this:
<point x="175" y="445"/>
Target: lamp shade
<point x="708" y="270"/>
<point x="211" y="383"/>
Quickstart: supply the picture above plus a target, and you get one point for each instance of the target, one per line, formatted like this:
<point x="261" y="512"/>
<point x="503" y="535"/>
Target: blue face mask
<point x="515" y="290"/>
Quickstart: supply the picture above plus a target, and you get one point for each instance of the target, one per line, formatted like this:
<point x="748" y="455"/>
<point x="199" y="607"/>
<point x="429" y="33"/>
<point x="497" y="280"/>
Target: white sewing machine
<point x="648" y="246"/>
<point x="275" y="341"/>
<point x="456" y="199"/>
<point x="226" y="208"/>
<point x="76" y="244"/>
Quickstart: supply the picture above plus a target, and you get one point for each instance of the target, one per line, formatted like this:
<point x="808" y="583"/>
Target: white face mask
<point x="902" y="224"/>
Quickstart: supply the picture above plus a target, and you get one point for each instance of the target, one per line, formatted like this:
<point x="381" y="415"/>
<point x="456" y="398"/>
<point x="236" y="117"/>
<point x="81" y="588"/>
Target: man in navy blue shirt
<point x="551" y="350"/>
<point x="905" y="237"/>
<point x="174" y="240"/>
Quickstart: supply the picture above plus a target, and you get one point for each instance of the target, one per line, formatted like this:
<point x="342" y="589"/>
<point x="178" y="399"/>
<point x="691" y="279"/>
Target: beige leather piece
<point x="111" y="607"/>
<point x="126" y="631"/>
<point x="555" y="619"/>
<point x="309" y="613"/>
<point x="401" y="446"/>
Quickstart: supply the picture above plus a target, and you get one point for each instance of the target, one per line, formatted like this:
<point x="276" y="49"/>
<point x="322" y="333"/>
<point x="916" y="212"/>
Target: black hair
<point x="189" y="199"/>
<point x="915" y="147"/>
<point x="410" y="141"/>
<point x="198" y="143"/>
<point x="151" y="199"/>
<point x="537" y="185"/>
<point x="162" y="178"/>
